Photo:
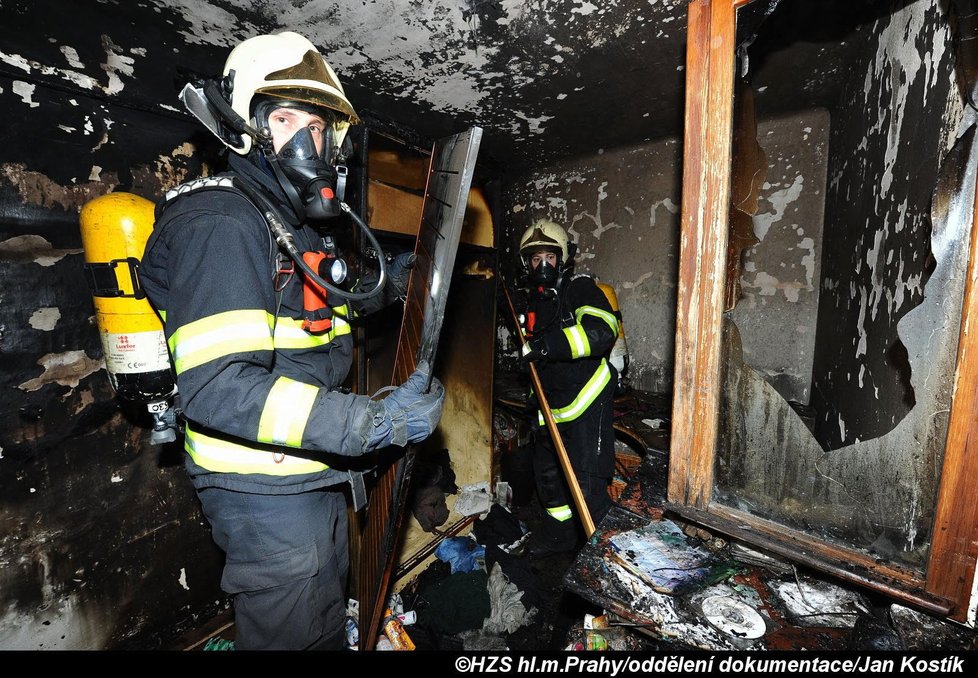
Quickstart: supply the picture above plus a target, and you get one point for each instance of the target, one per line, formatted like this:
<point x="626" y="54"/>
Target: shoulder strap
<point x="224" y="182"/>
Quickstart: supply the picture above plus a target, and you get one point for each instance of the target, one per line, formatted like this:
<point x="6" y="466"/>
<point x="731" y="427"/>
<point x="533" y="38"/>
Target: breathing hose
<point x="287" y="243"/>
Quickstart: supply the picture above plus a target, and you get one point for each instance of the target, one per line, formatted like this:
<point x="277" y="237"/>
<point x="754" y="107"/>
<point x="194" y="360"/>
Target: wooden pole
<point x="548" y="417"/>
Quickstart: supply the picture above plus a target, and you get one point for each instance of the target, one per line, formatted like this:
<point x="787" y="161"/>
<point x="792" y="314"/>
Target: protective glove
<point x="399" y="272"/>
<point x="534" y="350"/>
<point x="407" y="415"/>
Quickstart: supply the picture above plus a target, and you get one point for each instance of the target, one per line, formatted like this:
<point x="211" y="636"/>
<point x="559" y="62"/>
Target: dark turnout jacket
<point x="257" y="390"/>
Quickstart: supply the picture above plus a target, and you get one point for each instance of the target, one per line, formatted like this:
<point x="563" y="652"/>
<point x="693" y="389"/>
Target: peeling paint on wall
<point x="520" y="70"/>
<point x="35" y="249"/>
<point x="169" y="170"/>
<point x="778" y="282"/>
<point x="66" y="368"/>
<point x="45" y="319"/>
<point x="36" y="188"/>
<point x="900" y="113"/>
<point x="25" y="91"/>
<point x="867" y="477"/>
<point x="71" y="56"/>
<point x="76" y="128"/>
<point x="116" y="66"/>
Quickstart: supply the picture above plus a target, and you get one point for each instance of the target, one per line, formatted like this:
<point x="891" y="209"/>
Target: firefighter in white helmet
<point x="571" y="329"/>
<point x="269" y="438"/>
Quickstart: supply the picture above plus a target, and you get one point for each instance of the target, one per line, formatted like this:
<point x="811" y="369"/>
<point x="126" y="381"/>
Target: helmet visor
<point x="313" y="97"/>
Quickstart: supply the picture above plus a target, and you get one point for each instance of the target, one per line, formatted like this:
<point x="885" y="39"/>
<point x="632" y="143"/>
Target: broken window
<point x="839" y="346"/>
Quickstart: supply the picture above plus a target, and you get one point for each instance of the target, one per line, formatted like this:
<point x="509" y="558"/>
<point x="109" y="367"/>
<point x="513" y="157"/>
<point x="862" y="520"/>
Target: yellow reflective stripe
<point x="580" y="347"/>
<point x="561" y="513"/>
<point x="598" y="313"/>
<point x="340" y="326"/>
<point x="289" y="332"/>
<point x="162" y="314"/>
<point x="286" y="411"/>
<point x="592" y="389"/>
<point x="219" y="335"/>
<point x="222" y="456"/>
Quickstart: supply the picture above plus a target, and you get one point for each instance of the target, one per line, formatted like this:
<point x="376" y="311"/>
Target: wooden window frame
<point x="946" y="588"/>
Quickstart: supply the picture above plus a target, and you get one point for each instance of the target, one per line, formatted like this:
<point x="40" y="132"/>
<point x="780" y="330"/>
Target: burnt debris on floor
<point x="646" y="580"/>
<point x="503" y="598"/>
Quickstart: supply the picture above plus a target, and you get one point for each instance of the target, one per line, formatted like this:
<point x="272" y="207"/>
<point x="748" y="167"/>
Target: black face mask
<point x="313" y="178"/>
<point x="544" y="275"/>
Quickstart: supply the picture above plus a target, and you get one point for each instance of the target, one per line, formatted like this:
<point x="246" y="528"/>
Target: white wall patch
<point x="66" y="369"/>
<point x="45" y="319"/>
<point x="25" y="91"/>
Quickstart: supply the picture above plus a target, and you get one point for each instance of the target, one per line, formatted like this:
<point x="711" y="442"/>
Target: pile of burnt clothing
<point x="505" y="537"/>
<point x="488" y="592"/>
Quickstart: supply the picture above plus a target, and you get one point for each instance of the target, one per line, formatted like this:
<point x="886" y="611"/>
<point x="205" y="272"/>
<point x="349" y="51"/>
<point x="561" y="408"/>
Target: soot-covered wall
<point x="779" y="284"/>
<point x="102" y="544"/>
<point x="621" y="207"/>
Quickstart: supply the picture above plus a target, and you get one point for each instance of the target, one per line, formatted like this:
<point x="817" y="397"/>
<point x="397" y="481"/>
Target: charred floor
<point x="724" y="595"/>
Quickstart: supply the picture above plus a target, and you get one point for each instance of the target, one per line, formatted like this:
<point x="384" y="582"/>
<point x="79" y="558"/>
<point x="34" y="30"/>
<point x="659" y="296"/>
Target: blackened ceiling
<point x="546" y="79"/>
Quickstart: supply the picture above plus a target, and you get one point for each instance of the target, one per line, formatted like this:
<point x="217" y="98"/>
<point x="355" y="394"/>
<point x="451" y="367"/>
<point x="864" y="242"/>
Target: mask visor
<point x="544" y="275"/>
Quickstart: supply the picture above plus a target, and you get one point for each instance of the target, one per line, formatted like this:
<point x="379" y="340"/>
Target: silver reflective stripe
<point x="287" y="409"/>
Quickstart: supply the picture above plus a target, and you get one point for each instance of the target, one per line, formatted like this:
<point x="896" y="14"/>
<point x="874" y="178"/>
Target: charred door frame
<point x="947" y="587"/>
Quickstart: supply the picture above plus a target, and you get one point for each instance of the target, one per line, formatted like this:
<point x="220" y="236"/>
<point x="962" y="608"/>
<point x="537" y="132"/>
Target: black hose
<point x="286" y="242"/>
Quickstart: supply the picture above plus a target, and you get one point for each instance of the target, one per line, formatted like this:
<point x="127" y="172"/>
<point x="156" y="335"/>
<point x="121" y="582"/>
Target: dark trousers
<point x="286" y="567"/>
<point x="590" y="444"/>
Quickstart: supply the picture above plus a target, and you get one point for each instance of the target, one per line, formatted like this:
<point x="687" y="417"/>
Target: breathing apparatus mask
<point x="309" y="174"/>
<point x="544" y="275"/>
<point x="546" y="236"/>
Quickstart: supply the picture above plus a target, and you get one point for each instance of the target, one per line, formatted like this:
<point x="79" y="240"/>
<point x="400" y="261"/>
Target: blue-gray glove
<point x="407" y="415"/>
<point x="399" y="272"/>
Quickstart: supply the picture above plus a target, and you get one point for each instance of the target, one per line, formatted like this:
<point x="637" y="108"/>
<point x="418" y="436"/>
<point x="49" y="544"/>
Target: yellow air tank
<point x="114" y="231"/>
<point x="619" y="352"/>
